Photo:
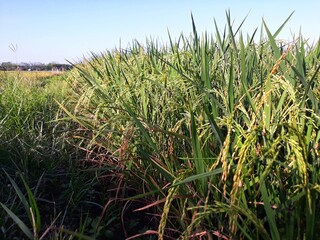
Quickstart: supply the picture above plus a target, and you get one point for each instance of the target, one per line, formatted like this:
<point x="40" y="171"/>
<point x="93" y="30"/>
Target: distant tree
<point x="51" y="66"/>
<point x="9" y="66"/>
<point x="25" y="66"/>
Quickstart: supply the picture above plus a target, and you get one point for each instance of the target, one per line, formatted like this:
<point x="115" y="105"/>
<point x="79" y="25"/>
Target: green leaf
<point x="244" y="79"/>
<point x="201" y="175"/>
<point x="76" y="119"/>
<point x="20" y="195"/>
<point x="142" y="129"/>
<point x="197" y="154"/>
<point x="231" y="86"/>
<point x="214" y="126"/>
<point x="18" y="221"/>
<point x="76" y="234"/>
<point x="270" y="213"/>
<point x="33" y="205"/>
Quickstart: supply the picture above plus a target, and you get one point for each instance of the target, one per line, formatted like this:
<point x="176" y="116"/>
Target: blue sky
<point x="55" y="30"/>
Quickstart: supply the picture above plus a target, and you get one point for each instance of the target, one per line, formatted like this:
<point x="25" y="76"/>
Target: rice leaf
<point x="197" y="153"/>
<point x="231" y="86"/>
<point x="201" y="175"/>
<point x="269" y="212"/>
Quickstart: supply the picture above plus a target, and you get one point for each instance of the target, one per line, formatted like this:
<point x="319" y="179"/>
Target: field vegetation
<point x="208" y="137"/>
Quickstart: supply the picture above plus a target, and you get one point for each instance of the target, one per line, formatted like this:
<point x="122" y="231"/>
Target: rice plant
<point x="218" y="135"/>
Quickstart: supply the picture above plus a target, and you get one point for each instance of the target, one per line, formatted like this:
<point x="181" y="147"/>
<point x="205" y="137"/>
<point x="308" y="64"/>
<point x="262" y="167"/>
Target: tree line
<point x="9" y="66"/>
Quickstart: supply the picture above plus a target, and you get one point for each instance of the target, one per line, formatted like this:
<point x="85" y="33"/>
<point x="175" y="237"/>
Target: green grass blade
<point x="205" y="68"/>
<point x="267" y="104"/>
<point x="219" y="39"/>
<point x="200" y="176"/>
<point x="308" y="86"/>
<point x="20" y="195"/>
<point x="151" y="143"/>
<point x="197" y="154"/>
<point x="76" y="234"/>
<point x="250" y="215"/>
<point x="282" y="25"/>
<point x="231" y="34"/>
<point x="244" y="77"/>
<point x="168" y="176"/>
<point x="231" y="86"/>
<point x="270" y="213"/>
<point x="272" y="42"/>
<point x="18" y="221"/>
<point x="73" y="117"/>
<point x="251" y="41"/>
<point x="33" y="205"/>
<point x="214" y="126"/>
<point x="280" y="104"/>
<point x="195" y="36"/>
<point x="143" y="130"/>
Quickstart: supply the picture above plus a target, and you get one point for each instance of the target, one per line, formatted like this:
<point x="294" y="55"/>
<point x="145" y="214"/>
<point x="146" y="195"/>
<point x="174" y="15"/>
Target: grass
<point x="48" y="191"/>
<point x="35" y="156"/>
<point x="207" y="137"/>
